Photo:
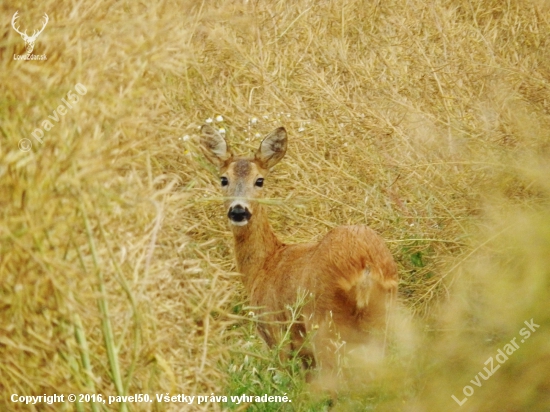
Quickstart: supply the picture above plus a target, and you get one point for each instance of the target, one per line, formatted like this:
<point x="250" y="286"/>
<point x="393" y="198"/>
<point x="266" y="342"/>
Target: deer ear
<point x="272" y="149"/>
<point x="214" y="146"/>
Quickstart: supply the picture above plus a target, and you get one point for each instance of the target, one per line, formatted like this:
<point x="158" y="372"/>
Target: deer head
<point x="242" y="178"/>
<point x="29" y="40"/>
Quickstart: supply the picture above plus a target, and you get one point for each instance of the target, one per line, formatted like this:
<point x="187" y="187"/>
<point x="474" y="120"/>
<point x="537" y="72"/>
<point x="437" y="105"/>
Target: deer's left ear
<point x="272" y="149"/>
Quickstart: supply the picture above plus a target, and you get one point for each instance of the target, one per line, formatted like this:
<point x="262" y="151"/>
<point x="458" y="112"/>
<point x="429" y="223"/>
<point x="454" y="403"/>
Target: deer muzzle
<point x="239" y="215"/>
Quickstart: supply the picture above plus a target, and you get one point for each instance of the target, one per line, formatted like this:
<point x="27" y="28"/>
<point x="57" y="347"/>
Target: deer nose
<point x="238" y="213"/>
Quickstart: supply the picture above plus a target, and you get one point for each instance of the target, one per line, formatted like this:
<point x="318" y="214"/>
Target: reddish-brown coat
<point x="349" y="277"/>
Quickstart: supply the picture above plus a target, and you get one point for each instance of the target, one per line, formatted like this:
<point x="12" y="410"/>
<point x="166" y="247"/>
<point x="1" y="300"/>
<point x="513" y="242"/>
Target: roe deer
<point x="349" y="275"/>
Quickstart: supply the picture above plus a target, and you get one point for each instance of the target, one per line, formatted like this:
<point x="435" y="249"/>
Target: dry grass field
<point x="427" y="120"/>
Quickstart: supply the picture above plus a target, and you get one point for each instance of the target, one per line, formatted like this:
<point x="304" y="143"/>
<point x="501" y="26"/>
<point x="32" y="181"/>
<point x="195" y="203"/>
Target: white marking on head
<point x="239" y="202"/>
<point x="243" y="223"/>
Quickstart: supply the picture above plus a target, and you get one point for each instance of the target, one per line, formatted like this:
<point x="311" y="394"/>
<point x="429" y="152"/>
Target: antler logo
<point x="29" y="40"/>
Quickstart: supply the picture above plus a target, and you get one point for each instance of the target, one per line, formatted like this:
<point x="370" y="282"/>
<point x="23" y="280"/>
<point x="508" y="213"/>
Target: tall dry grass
<point x="429" y="121"/>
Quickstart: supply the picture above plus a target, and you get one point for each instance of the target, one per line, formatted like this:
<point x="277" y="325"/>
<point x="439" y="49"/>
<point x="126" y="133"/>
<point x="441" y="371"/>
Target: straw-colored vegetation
<point x="427" y="120"/>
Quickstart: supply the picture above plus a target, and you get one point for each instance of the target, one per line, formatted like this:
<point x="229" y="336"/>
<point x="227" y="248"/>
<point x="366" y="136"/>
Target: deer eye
<point x="224" y="181"/>
<point x="259" y="182"/>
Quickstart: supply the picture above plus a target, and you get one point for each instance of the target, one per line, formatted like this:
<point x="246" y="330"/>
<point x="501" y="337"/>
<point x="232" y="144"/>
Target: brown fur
<point x="350" y="275"/>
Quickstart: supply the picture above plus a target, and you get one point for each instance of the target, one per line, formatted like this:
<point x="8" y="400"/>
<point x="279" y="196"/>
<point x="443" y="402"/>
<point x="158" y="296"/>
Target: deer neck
<point x="255" y="243"/>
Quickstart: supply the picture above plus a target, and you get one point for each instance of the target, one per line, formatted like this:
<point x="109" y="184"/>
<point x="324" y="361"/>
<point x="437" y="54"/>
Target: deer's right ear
<point x="214" y="146"/>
